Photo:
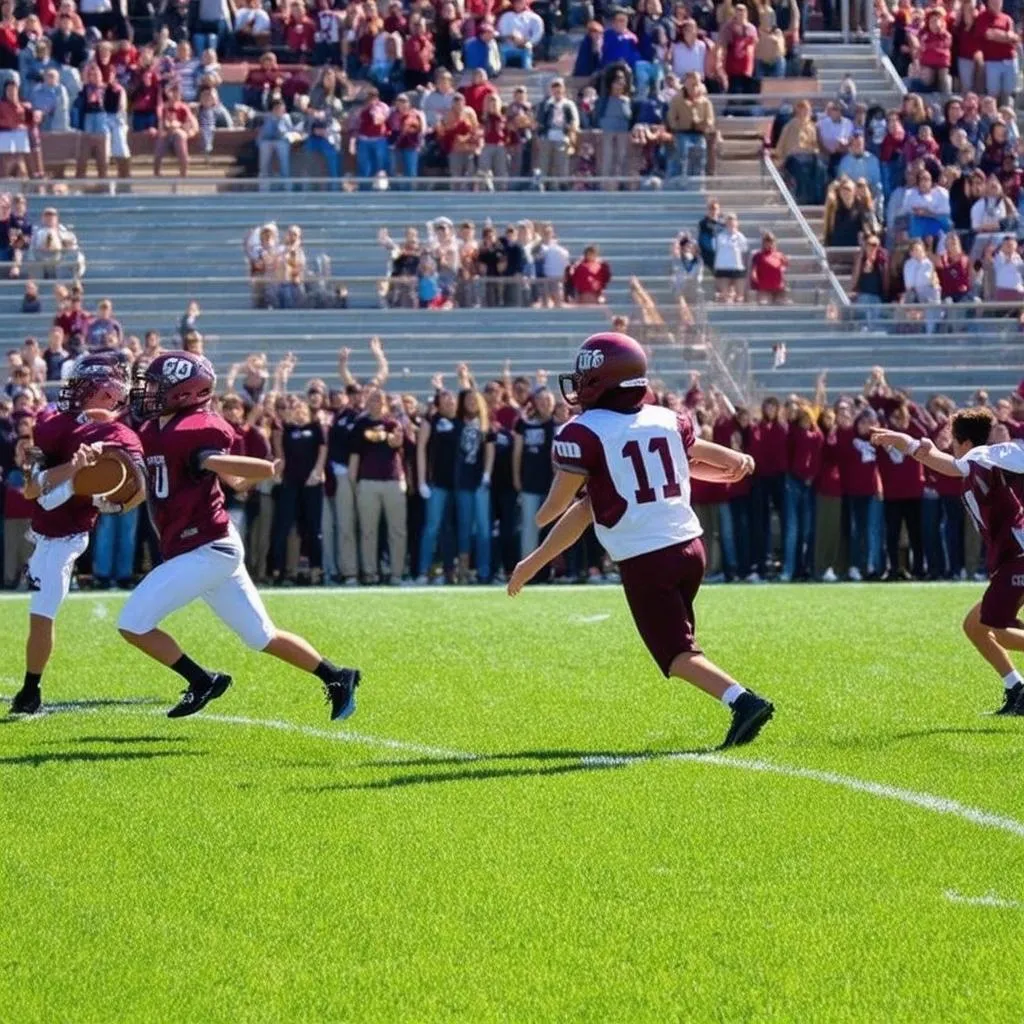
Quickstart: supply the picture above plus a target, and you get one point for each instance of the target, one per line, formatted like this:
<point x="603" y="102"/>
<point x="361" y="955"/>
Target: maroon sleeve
<point x="576" y="449"/>
<point x="684" y="423"/>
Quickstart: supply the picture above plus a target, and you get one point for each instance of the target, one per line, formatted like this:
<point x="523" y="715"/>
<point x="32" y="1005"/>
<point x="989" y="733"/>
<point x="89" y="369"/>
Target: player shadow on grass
<point x="583" y="761"/>
<point x="76" y="756"/>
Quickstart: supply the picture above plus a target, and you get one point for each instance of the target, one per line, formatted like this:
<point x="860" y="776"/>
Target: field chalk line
<point x="990" y="899"/>
<point x="911" y="797"/>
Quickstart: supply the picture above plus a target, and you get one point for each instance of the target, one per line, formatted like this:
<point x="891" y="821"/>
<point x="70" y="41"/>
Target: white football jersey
<point x="638" y="476"/>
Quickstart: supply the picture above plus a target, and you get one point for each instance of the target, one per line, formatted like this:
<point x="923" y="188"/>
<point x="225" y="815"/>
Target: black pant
<point x="583" y="556"/>
<point x="741" y="526"/>
<point x="505" y="510"/>
<point x="767" y="492"/>
<point x="301" y="506"/>
<point x="415" y="512"/>
<point x="897" y="513"/>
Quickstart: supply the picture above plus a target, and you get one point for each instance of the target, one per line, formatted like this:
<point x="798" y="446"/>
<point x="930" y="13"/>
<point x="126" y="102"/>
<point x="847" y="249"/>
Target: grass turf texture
<point x="211" y="871"/>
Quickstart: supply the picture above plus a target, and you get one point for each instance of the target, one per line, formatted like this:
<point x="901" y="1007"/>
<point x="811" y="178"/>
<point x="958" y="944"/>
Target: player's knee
<point x="259" y="639"/>
<point x="972" y="623"/>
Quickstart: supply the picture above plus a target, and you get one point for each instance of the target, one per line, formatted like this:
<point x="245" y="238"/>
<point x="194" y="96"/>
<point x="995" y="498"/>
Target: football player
<point x="66" y="440"/>
<point x="992" y="478"/>
<point x="636" y="461"/>
<point x="187" y="451"/>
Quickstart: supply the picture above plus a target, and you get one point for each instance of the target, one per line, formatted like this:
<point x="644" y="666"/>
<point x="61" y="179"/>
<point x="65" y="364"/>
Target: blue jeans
<point x="691" y="155"/>
<point x="953" y="532"/>
<point x="371" y="158"/>
<point x="869" y="308"/>
<point x="514" y="57"/>
<point x="772" y="69"/>
<point x="436" y="511"/>
<point x="113" y="553"/>
<point x="318" y="144"/>
<point x="473" y="520"/>
<point x="529" y="533"/>
<point x="734" y="529"/>
<point x="208" y="36"/>
<point x="876" y="537"/>
<point x="289" y="296"/>
<point x="647" y="74"/>
<point x="931" y="534"/>
<point x="925" y="227"/>
<point x="267" y="150"/>
<point x="406" y="162"/>
<point x="798" y="527"/>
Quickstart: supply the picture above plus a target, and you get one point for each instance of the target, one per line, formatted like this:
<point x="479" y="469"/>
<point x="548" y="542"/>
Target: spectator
<point x="460" y="137"/>
<point x="834" y="134"/>
<point x="531" y="462"/>
<point x="477" y="91"/>
<point x="405" y="267"/>
<point x="491" y="263"/>
<point x="738" y="38"/>
<point x="438" y="101"/>
<point x="991" y="217"/>
<point x="707" y="230"/>
<point x="408" y="129"/>
<point x="731" y="247"/>
<point x="1006" y="272"/>
<point x="177" y="126"/>
<point x="857" y="163"/>
<point x="74" y="320"/>
<point x="844" y="219"/>
<point x="805" y="444"/>
<point x="52" y="244"/>
<point x="928" y="210"/>
<point x="520" y="31"/>
<point x="620" y="44"/>
<point x="68" y="43"/>
<point x="999" y="45"/>
<point x="419" y="53"/>
<point x="303" y="448"/>
<point x="54" y="356"/>
<point x="493" y="161"/>
<point x="935" y="53"/>
<point x="292" y="270"/>
<point x="920" y="283"/>
<point x="276" y="136"/>
<point x="448" y="39"/>
<point x="589" y="54"/>
<point x="968" y="43"/>
<point x="437" y="446"/>
<point x="614" y="120"/>
<point x="558" y="124"/>
<point x="771" y="47"/>
<point x="553" y="262"/>
<point x="252" y="26"/>
<point x="104" y="332"/>
<point x="371" y="142"/>
<point x="902" y="491"/>
<point x="869" y="283"/>
<point x="51" y="100"/>
<point x="19" y="136"/>
<point x="264" y="253"/>
<point x="590" y="277"/>
<point x="768" y="273"/>
<point x="482" y="51"/>
<point x="473" y="467"/>
<point x="377" y="471"/>
<point x="797" y="153"/>
<point x="953" y="269"/>
<point x="691" y="119"/>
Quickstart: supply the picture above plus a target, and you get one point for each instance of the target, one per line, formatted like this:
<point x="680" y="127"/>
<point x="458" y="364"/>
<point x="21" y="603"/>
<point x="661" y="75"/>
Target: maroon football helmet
<point x="99" y="380"/>
<point x="173" y="382"/>
<point x="604" y="363"/>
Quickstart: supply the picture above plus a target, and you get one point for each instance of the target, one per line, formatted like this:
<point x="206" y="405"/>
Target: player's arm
<point x="563" y="535"/>
<point x="924" y="451"/>
<point x="237" y="471"/>
<point x="717" y="464"/>
<point x="564" y="488"/>
<point x="41" y="483"/>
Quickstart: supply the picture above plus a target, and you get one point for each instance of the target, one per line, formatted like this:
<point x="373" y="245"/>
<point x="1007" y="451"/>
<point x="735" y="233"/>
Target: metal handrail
<point x="816" y="246"/>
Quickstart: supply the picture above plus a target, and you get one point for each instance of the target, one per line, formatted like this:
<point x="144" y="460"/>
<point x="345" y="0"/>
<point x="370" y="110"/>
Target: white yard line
<point x="990" y="899"/>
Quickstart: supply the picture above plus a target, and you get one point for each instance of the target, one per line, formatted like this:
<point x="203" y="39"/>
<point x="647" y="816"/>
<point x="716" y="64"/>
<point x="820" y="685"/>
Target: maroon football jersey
<point x="185" y="502"/>
<point x="993" y="491"/>
<point x="59" y="436"/>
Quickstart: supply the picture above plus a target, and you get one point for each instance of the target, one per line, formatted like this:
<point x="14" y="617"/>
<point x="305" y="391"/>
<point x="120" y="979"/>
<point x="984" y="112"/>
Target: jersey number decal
<point x="159" y="483"/>
<point x="645" y="493"/>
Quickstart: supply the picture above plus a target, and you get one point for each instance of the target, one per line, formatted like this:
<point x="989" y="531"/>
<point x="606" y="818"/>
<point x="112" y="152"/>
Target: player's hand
<point x="924" y="447"/>
<point x="881" y="438"/>
<point x="314" y="478"/>
<point x="521" y="575"/>
<point x="85" y="456"/>
<point x="278" y="470"/>
<point x="744" y="469"/>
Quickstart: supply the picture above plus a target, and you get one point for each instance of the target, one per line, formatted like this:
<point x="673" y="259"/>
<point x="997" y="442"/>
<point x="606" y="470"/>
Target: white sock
<point x="730" y="695"/>
<point x="1011" y="680"/>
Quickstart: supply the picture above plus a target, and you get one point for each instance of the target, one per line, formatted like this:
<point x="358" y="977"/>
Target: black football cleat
<point x="27" y="702"/>
<point x="750" y="714"/>
<point x="1013" y="704"/>
<point x="193" y="700"/>
<point x="341" y="693"/>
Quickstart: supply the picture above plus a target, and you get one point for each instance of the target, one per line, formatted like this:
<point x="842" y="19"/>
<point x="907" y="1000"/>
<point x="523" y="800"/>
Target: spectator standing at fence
<point x="274" y="141"/>
<point x="377" y="469"/>
<point x="805" y="443"/>
<point x="474" y="464"/>
<point x="614" y="118"/>
<point x="828" y="504"/>
<point x="590" y="277"/>
<point x="438" y="101"/>
<point x="858" y="467"/>
<point x="738" y="39"/>
<point x="558" y="123"/>
<point x="340" y="443"/>
<point x="531" y="462"/>
<point x="436" y="455"/>
<point x="177" y="126"/>
<point x="999" y="46"/>
<point x="459" y="135"/>
<point x="797" y="153"/>
<point x="691" y="119"/>
<point x="371" y="138"/>
<point x="408" y="129"/>
<point x="902" y="492"/>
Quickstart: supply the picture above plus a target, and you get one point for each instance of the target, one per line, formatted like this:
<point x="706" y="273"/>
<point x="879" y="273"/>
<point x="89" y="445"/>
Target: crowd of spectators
<point x="376" y="485"/>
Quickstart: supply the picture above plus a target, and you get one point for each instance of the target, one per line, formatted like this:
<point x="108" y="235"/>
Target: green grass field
<point x="502" y="832"/>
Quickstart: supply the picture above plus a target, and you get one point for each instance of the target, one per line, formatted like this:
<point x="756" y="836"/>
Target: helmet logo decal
<point x="589" y="359"/>
<point x="177" y="369"/>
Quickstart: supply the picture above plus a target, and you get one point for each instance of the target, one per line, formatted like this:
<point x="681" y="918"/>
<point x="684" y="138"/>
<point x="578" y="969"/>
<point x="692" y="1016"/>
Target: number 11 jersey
<point x="638" y="476"/>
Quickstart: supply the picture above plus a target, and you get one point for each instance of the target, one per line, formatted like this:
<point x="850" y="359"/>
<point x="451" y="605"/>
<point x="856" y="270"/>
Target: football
<point x="112" y="476"/>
